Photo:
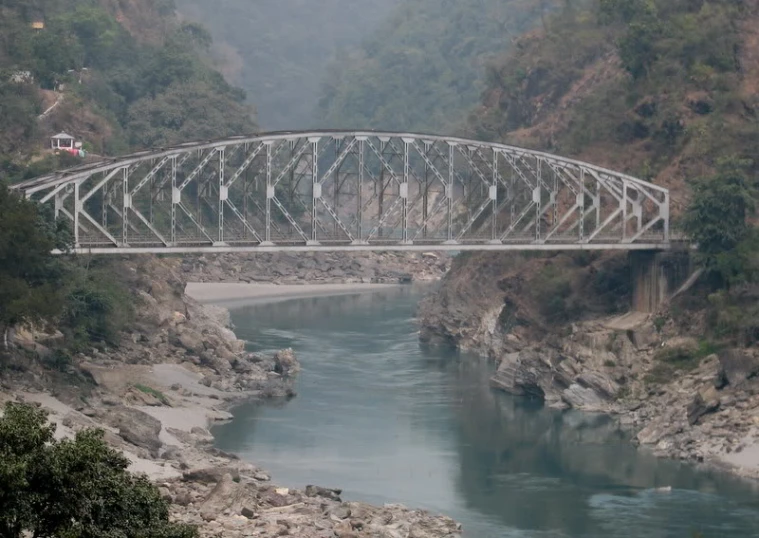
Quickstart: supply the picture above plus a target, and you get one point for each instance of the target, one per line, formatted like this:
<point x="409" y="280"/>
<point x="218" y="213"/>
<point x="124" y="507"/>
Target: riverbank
<point x="234" y="294"/>
<point x="680" y="398"/>
<point x="318" y="268"/>
<point x="178" y="370"/>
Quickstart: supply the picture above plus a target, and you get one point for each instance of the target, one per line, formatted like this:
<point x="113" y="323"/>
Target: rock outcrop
<point x="318" y="268"/>
<point x="254" y="508"/>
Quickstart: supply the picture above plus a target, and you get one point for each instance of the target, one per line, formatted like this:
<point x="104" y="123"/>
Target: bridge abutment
<point x="656" y="275"/>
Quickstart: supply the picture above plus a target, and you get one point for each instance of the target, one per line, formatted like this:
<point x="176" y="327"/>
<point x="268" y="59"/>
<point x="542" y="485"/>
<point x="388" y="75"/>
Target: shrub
<point x="78" y="487"/>
<point x="97" y="307"/>
<point x="160" y="396"/>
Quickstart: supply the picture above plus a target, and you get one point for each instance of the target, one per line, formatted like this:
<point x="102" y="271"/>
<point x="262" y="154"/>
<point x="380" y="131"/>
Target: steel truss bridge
<point x="351" y="190"/>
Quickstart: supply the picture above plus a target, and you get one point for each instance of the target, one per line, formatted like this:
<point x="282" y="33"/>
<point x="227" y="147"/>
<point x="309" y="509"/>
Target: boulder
<point x="327" y="493"/>
<point x="737" y="366"/>
<point x="644" y="336"/>
<point x="210" y="475"/>
<point x="600" y="383"/>
<point x="222" y="497"/>
<point x="138" y="428"/>
<point x="285" y="363"/>
<point x="190" y="340"/>
<point x="580" y="397"/>
<point x="705" y="402"/>
<point x="248" y="512"/>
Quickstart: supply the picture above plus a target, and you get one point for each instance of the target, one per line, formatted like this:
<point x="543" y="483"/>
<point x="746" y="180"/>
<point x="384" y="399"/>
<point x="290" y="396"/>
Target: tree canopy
<point x="717" y="221"/>
<point x="74" y="488"/>
<point x="122" y="90"/>
<point x="423" y="69"/>
<point x="277" y="50"/>
<point x="29" y="276"/>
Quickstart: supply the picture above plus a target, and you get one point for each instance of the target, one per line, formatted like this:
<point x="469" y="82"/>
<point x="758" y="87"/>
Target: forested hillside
<point x="121" y="76"/>
<point x="277" y="50"/>
<point x="665" y="90"/>
<point x="423" y="68"/>
<point x="661" y="89"/>
<point x="118" y="76"/>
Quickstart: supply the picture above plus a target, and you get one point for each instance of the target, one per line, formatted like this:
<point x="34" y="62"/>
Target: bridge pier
<point x="656" y="275"/>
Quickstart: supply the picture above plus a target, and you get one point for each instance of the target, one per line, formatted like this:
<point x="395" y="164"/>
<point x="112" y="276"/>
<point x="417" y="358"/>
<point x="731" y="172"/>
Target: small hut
<point x="62" y="141"/>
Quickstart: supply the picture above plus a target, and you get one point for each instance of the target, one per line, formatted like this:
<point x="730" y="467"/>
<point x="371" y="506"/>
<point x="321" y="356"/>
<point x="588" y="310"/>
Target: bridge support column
<point x="656" y="276"/>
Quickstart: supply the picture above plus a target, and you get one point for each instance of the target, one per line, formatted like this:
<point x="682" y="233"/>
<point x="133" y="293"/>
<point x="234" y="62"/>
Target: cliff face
<point x="493" y="302"/>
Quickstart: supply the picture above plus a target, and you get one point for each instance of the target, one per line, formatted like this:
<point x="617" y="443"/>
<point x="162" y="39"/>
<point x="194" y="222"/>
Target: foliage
<point x="146" y="92"/>
<point x="716" y="220"/>
<point x="29" y="276"/>
<point x="423" y="68"/>
<point x="552" y="289"/>
<point x="73" y="488"/>
<point x="98" y="304"/>
<point x="670" y="360"/>
<point x="278" y="50"/>
<point x="89" y="301"/>
<point x="733" y="315"/>
<point x="679" y="93"/>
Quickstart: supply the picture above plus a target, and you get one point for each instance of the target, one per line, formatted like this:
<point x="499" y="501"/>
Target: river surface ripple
<point x="388" y="421"/>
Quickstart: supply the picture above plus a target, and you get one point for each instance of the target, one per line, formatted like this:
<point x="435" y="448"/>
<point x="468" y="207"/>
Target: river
<point x="388" y="421"/>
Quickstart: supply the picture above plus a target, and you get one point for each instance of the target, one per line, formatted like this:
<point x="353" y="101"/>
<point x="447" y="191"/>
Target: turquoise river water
<point x="388" y="421"/>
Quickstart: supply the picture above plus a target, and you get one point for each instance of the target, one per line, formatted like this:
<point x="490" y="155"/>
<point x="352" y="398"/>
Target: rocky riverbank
<point x="318" y="267"/>
<point x="679" y="397"/>
<point x="179" y="369"/>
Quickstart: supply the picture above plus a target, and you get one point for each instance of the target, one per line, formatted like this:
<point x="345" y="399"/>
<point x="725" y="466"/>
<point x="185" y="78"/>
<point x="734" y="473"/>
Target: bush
<point x="97" y="307"/>
<point x="552" y="289"/>
<point x="73" y="488"/>
<point x="670" y="360"/>
<point x="160" y="396"/>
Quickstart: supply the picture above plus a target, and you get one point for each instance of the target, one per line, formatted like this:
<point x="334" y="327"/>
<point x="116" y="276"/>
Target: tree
<point x="76" y="488"/>
<point x="29" y="287"/>
<point x="716" y="220"/>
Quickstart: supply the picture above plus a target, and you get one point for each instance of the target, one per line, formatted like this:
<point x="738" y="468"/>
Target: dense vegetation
<point x="649" y="83"/>
<point x="86" y="300"/>
<point x="422" y="69"/>
<point x="278" y="49"/>
<point x="73" y="488"/>
<point x="121" y="90"/>
<point x="129" y="80"/>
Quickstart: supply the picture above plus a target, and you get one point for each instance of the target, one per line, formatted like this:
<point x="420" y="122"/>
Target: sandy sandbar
<point x="235" y="293"/>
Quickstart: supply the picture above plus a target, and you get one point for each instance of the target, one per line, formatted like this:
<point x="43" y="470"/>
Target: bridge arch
<point x="352" y="190"/>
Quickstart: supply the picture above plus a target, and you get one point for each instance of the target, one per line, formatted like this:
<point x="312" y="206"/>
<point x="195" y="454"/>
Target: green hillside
<point x="424" y="68"/>
<point x="665" y="90"/>
<point x="114" y="87"/>
<point x="278" y="49"/>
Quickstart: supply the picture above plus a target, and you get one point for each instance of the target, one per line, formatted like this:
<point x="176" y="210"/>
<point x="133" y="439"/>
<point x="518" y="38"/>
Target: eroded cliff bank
<point x="179" y="368"/>
<point x="682" y="397"/>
